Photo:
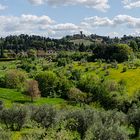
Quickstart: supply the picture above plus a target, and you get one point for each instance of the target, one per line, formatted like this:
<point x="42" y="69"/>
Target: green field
<point x="131" y="76"/>
<point x="10" y="96"/>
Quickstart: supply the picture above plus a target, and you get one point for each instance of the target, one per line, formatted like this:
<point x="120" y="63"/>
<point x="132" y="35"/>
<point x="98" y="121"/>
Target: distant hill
<point x="86" y="42"/>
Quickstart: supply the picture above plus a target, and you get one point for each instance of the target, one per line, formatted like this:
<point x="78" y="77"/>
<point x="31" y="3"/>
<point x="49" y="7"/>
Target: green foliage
<point x="44" y="115"/>
<point x="63" y="87"/>
<point x="61" y="133"/>
<point x="118" y="52"/>
<point x="124" y="69"/>
<point x="75" y="74"/>
<point x="15" y="79"/>
<point x="13" y="118"/>
<point x="103" y="132"/>
<point x="47" y="83"/>
<point x="134" y="45"/>
<point x="45" y="122"/>
<point x="27" y="65"/>
<point x="63" y="61"/>
<point x="32" y="53"/>
<point x="106" y="126"/>
<point x="134" y="119"/>
<point x="4" y="135"/>
<point x="76" y="95"/>
<point x="88" y="83"/>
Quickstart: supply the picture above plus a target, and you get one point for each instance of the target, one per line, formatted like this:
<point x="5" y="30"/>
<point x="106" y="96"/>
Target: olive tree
<point x="44" y="115"/>
<point x="13" y="118"/>
<point x="134" y="119"/>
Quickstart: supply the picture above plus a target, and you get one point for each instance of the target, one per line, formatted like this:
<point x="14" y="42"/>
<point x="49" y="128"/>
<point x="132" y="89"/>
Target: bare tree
<point x="32" y="89"/>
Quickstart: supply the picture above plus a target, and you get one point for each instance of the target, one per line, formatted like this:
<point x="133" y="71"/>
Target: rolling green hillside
<point x="131" y="76"/>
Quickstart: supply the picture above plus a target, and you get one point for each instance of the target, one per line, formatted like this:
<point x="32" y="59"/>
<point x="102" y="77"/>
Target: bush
<point x="48" y="82"/>
<point x="15" y="79"/>
<point x="44" y="115"/>
<point x="2" y="82"/>
<point x="13" y="118"/>
<point x="124" y="69"/>
<point x="63" y="87"/>
<point x="107" y="73"/>
<point x="60" y="133"/>
<point x="134" y="119"/>
<point x="75" y="75"/>
<point x="106" y="126"/>
<point x="27" y="65"/>
<point x="102" y="132"/>
<point x="35" y="134"/>
<point x="88" y="83"/>
<point x="5" y="135"/>
<point x="63" y="61"/>
<point x="118" y="52"/>
<point x="75" y="122"/>
<point x="76" y="95"/>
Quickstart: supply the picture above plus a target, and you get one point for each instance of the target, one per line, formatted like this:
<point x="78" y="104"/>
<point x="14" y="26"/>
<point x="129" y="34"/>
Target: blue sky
<point x="57" y="18"/>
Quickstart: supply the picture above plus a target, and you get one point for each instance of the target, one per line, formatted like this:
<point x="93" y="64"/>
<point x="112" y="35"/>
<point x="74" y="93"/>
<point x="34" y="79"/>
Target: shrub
<point x="118" y="52"/>
<point x="5" y="135"/>
<point x="75" y="122"/>
<point x="2" y="82"/>
<point x="76" y="95"/>
<point x="27" y="66"/>
<point x="63" y="61"/>
<point x="44" y="115"/>
<point x="15" y="79"/>
<point x="48" y="82"/>
<point x="35" y="134"/>
<point x="63" y="87"/>
<point x="134" y="119"/>
<point x="102" y="132"/>
<point x="106" y="126"/>
<point x="124" y="69"/>
<point x="13" y="118"/>
<point x="75" y="74"/>
<point x="88" y="83"/>
<point x="107" y="73"/>
<point x="60" y="133"/>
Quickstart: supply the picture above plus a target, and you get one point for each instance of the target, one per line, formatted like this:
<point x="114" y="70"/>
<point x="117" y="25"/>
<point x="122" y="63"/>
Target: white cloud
<point x="129" y="4"/>
<point x="97" y="21"/>
<point x="23" y="23"/>
<point x="101" y="5"/>
<point x="44" y="25"/>
<point x="36" y="19"/>
<point x="32" y="24"/>
<point x="127" y="20"/>
<point x="2" y="7"/>
<point x="36" y="2"/>
<point x="65" y="27"/>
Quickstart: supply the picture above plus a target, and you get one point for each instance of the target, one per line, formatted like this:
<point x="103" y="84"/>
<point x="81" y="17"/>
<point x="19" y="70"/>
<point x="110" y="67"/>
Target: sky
<point x="57" y="18"/>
